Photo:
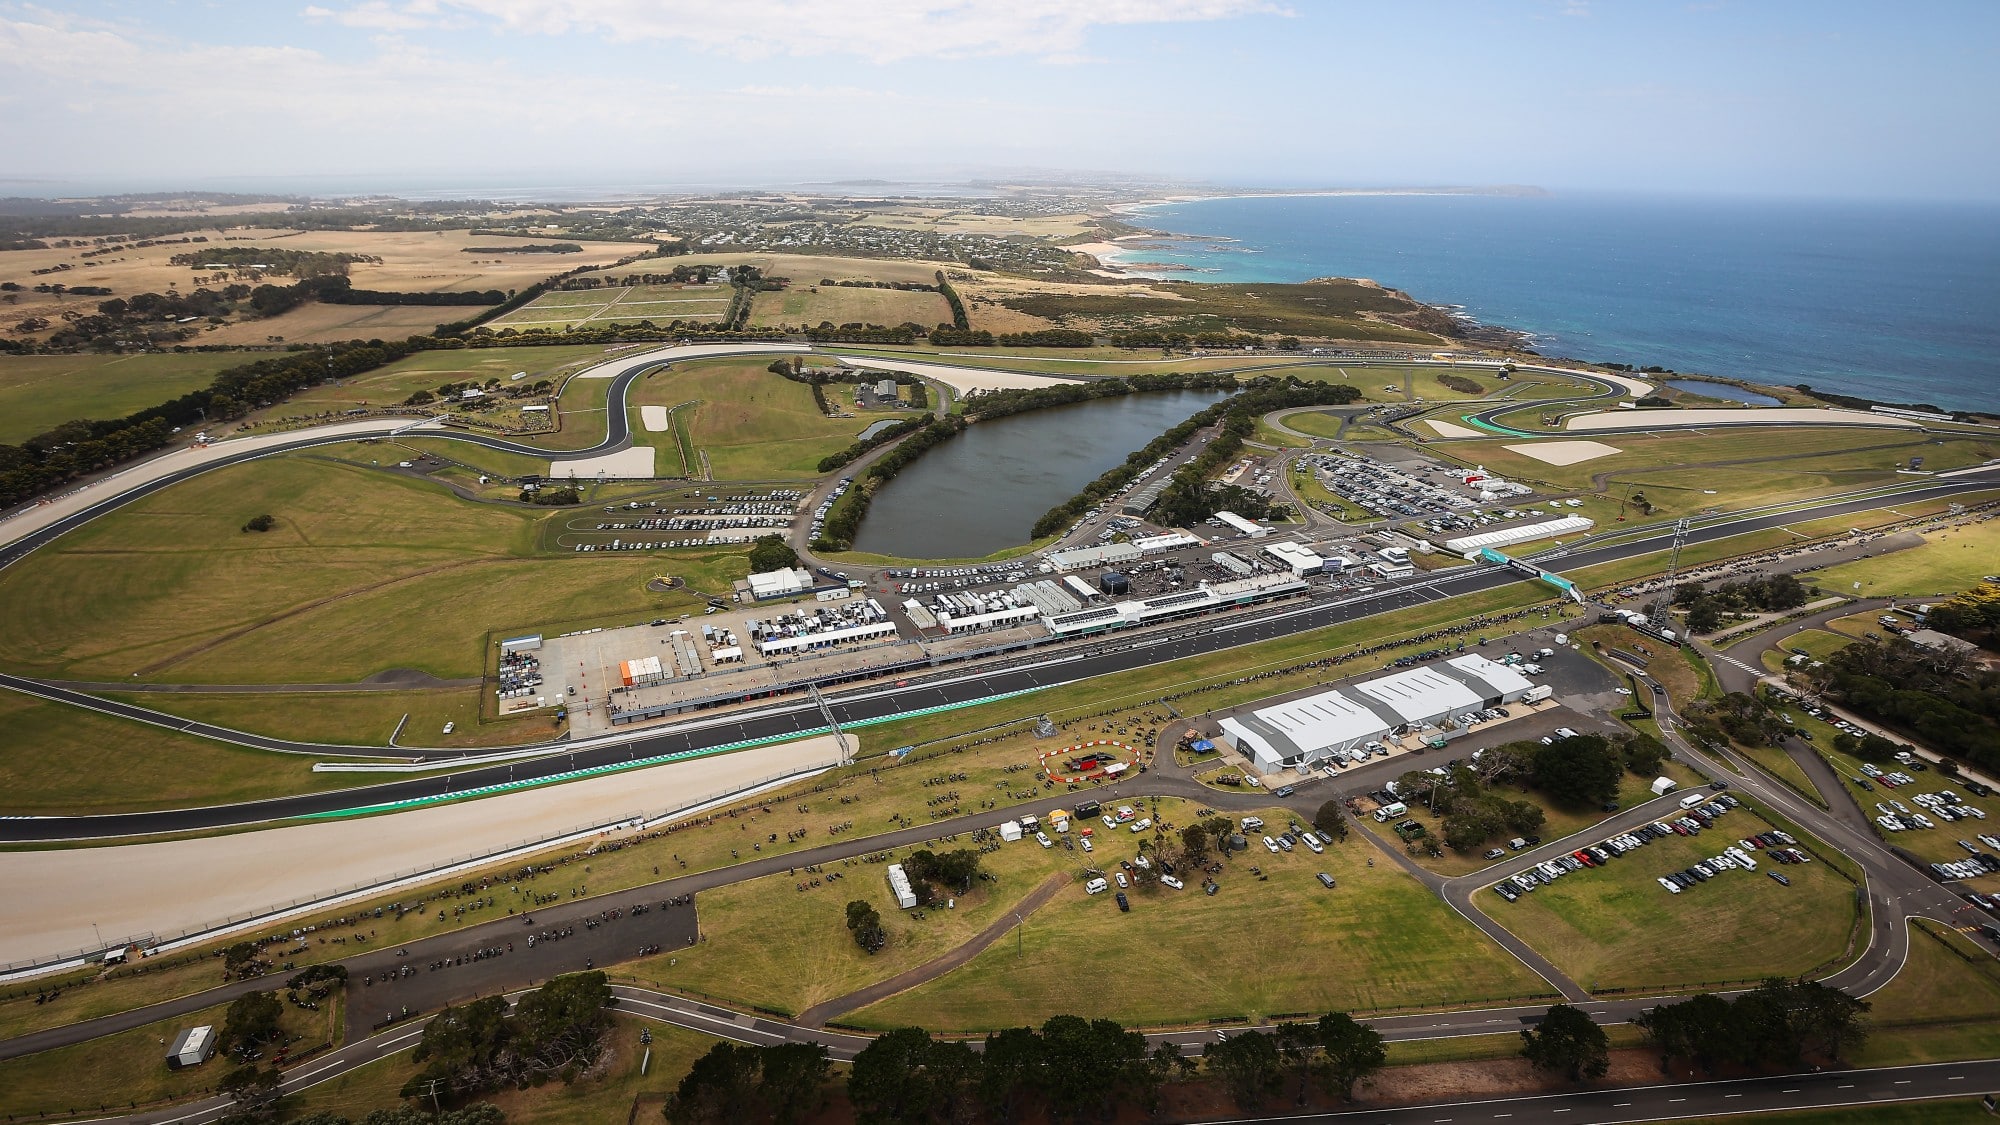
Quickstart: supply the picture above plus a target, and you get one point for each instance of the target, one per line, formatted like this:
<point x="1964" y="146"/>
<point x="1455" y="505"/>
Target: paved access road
<point x="1058" y="664"/>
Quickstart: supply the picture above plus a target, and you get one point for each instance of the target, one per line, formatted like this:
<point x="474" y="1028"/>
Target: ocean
<point x="1892" y="301"/>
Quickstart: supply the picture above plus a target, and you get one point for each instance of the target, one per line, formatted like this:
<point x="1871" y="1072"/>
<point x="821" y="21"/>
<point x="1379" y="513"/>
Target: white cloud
<point x="878" y="30"/>
<point x="381" y="15"/>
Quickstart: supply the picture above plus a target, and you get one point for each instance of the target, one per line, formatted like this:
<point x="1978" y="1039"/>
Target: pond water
<point x="1727" y="392"/>
<point x="983" y="490"/>
<point x="877" y="428"/>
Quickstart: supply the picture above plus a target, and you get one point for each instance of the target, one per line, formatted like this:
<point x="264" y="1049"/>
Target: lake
<point x="1727" y="392"/>
<point x="983" y="490"/>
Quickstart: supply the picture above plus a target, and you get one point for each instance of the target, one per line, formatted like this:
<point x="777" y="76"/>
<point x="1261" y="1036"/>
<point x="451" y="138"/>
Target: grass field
<point x="425" y="371"/>
<point x="1615" y="927"/>
<point x="767" y="944"/>
<point x="1378" y="941"/>
<point x="752" y="424"/>
<point x="63" y="760"/>
<point x="1678" y="458"/>
<point x="1948" y="562"/>
<point x="41" y="392"/>
<point x="129" y="1066"/>
<point x="365" y="571"/>
<point x="356" y="718"/>
<point x="806" y="305"/>
<point x="1944" y="1004"/>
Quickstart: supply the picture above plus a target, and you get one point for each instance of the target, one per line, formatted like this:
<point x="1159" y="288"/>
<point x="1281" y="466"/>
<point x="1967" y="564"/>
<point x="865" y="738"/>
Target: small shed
<point x="191" y="1047"/>
<point x="1663" y="785"/>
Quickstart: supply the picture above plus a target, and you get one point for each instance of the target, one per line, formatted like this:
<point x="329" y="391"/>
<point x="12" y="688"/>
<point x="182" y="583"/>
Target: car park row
<point x="1778" y="846"/>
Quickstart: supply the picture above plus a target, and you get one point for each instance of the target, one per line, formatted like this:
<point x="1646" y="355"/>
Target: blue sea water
<point x="1893" y="301"/>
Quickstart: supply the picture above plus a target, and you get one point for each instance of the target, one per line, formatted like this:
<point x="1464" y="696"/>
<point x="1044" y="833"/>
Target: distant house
<point x="886" y="389"/>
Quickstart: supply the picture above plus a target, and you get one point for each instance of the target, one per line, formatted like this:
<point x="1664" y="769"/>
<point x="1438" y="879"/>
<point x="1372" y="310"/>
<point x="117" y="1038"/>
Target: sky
<point x="1759" y="97"/>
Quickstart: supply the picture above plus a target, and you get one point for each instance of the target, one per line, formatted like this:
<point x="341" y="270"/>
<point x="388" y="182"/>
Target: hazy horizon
<point x="430" y="97"/>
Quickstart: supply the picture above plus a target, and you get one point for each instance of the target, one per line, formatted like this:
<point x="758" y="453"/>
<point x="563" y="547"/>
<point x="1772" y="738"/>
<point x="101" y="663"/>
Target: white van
<point x="1252" y="823"/>
<point x="1095" y="887"/>
<point x="1693" y="799"/>
<point x="1383" y="814"/>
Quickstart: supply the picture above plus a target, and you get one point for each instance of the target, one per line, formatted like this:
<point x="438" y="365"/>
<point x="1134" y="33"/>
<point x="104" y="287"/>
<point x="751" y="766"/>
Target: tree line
<point x="960" y="322"/>
<point x="1778" y="1023"/>
<point x="1068" y="1069"/>
<point x="1942" y="699"/>
<point x="275" y="261"/>
<point x="52" y="459"/>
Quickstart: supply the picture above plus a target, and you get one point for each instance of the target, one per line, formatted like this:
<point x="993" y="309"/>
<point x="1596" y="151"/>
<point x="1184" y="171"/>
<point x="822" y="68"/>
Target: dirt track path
<point x="819" y="1014"/>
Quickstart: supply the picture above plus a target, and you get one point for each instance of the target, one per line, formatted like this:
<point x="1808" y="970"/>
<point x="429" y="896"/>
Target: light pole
<point x="100" y="937"/>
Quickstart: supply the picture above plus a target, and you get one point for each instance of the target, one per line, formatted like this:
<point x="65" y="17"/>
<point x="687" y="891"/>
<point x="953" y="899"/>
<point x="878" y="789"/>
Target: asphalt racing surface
<point x="796" y="717"/>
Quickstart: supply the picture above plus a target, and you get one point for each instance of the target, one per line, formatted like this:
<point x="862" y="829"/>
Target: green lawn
<point x="1944" y="1004"/>
<point x="1945" y="1112"/>
<point x="365" y="571"/>
<point x="1379" y="941"/>
<point x="1616" y="928"/>
<point x="1315" y="422"/>
<point x="355" y="718"/>
<point x="1949" y="561"/>
<point x="63" y="760"/>
<point x="752" y="424"/>
<point x="41" y="392"/>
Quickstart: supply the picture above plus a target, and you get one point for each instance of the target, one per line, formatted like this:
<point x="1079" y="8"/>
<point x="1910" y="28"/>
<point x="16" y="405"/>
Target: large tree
<point x="1351" y="1051"/>
<point x="1570" y="1042"/>
<point x="888" y="1082"/>
<point x="1249" y="1066"/>
<point x="1579" y="771"/>
<point x="1012" y="1065"/>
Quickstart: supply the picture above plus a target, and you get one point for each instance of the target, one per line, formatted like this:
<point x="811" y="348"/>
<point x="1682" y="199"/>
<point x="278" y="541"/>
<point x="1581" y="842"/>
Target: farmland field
<point x="40" y="392"/>
<point x="658" y="303"/>
<point x="808" y="305"/>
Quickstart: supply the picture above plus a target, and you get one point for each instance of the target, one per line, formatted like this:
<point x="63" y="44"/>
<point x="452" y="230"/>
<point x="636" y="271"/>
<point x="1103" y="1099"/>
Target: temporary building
<point x="1663" y="785"/>
<point x="899" y="885"/>
<point x="191" y="1047"/>
<point x="1010" y="831"/>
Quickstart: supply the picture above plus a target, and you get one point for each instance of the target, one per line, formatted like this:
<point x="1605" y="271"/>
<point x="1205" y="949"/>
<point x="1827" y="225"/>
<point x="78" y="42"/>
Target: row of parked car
<point x="1977" y="864"/>
<point x="1774" y="844"/>
<point x="1690" y="823"/>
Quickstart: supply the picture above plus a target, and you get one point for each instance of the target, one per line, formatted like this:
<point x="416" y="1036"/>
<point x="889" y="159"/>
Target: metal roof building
<point x="1307" y="731"/>
<point x="1520" y="533"/>
<point x="1248" y="527"/>
<point x="1080" y="558"/>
